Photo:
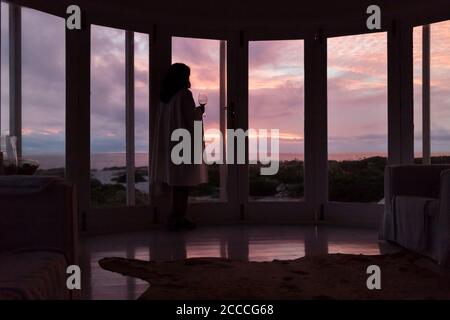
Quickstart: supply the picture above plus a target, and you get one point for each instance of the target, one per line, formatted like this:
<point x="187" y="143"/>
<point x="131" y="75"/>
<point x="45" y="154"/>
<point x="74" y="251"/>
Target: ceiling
<point x="240" y="14"/>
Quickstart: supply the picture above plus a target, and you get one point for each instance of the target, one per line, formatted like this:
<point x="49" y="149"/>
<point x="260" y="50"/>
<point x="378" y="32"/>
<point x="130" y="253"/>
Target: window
<point x="108" y="157"/>
<point x="141" y="82"/>
<point x="437" y="122"/>
<point x="440" y="92"/>
<point x="417" y="60"/>
<point x="43" y="90"/>
<point x="276" y="101"/>
<point x="109" y="172"/>
<point x="357" y="117"/>
<point x="4" y="112"/>
<point x="203" y="56"/>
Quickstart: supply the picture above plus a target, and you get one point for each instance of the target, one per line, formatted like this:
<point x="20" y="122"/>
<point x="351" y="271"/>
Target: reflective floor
<point x="243" y="242"/>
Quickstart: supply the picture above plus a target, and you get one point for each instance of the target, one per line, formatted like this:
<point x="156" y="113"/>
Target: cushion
<point x="33" y="275"/>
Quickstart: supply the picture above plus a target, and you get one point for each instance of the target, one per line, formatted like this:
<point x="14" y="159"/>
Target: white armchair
<point x="417" y="209"/>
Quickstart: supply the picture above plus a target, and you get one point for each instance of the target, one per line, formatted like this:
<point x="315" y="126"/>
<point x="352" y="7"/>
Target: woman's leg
<point x="177" y="219"/>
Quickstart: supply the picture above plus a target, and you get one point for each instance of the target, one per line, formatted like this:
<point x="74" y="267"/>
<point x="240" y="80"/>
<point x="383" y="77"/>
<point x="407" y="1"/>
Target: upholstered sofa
<point x="417" y="209"/>
<point x="37" y="237"/>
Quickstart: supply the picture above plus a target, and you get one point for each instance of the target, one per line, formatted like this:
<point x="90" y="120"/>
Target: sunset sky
<point x="357" y="87"/>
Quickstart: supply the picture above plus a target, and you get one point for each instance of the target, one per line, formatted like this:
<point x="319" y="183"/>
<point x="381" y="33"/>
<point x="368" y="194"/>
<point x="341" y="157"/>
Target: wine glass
<point x="202" y="100"/>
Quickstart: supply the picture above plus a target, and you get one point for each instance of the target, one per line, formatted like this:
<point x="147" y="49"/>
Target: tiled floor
<point x="246" y="242"/>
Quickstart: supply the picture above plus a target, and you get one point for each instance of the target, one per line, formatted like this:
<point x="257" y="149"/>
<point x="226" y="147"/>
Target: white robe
<point x="179" y="112"/>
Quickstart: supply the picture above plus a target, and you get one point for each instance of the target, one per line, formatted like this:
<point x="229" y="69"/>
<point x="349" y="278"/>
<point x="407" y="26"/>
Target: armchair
<point x="38" y="237"/>
<point x="417" y="209"/>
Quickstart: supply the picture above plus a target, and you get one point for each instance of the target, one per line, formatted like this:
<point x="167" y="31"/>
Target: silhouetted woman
<point x="177" y="110"/>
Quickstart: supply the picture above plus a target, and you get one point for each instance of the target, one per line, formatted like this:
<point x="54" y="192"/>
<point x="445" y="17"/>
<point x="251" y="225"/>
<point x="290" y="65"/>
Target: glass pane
<point x="417" y="56"/>
<point x="203" y="57"/>
<point x="357" y="117"/>
<point x="276" y="101"/>
<point x="108" y="182"/>
<point x="141" y="114"/>
<point x="440" y="92"/>
<point x="43" y="90"/>
<point x="4" y="112"/>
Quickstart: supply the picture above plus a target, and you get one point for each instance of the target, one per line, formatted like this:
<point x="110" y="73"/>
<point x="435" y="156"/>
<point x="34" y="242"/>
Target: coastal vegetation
<point x="349" y="181"/>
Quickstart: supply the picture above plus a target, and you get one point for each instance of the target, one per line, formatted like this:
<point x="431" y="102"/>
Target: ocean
<point x="100" y="161"/>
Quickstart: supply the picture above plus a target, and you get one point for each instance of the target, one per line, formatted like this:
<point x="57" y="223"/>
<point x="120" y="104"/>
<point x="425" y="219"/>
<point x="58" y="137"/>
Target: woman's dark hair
<point x="176" y="78"/>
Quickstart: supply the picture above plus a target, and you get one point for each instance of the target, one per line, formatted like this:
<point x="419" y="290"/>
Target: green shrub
<point x="107" y="194"/>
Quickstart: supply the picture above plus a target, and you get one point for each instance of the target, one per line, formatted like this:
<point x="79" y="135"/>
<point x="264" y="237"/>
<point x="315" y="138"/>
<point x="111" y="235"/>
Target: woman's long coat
<point x="179" y="113"/>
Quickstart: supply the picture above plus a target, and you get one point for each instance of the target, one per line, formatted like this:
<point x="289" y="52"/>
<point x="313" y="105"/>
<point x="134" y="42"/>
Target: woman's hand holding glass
<point x="202" y="100"/>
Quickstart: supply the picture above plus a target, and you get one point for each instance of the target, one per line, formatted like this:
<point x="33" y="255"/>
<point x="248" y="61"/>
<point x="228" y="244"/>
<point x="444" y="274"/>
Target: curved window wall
<point x="357" y="108"/>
